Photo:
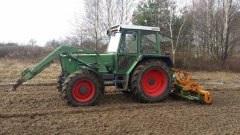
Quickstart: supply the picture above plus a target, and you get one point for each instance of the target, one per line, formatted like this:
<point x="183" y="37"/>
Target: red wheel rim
<point x="154" y="82"/>
<point x="83" y="90"/>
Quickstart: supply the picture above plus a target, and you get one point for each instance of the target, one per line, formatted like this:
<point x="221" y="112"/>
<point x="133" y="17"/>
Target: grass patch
<point x="11" y="69"/>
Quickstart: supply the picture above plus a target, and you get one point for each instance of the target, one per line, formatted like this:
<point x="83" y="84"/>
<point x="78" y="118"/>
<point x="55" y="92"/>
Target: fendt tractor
<point x="133" y="63"/>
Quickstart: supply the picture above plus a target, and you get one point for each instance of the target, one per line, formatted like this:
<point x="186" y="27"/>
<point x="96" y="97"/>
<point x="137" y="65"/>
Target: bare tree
<point x="93" y="28"/>
<point x="227" y="6"/>
<point x="110" y="12"/>
<point x="173" y="16"/>
<point x="99" y="16"/>
<point x="32" y="42"/>
<point x="215" y="28"/>
<point x="172" y="12"/>
<point x="125" y="10"/>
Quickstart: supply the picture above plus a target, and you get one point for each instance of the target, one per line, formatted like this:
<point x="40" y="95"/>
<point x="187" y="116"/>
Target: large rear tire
<point x="151" y="81"/>
<point x="82" y="89"/>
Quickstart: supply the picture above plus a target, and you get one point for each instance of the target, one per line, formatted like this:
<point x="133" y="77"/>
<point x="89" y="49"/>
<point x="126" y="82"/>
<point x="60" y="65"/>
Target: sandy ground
<point x="40" y="109"/>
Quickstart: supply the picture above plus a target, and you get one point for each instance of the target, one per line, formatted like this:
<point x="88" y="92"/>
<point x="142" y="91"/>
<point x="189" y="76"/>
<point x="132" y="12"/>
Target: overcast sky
<point x="42" y="20"/>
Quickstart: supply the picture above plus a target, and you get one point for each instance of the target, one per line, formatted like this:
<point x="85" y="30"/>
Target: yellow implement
<point x="183" y="86"/>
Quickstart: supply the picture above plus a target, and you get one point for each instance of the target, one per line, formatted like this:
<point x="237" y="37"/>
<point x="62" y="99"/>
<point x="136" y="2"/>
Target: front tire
<point x="82" y="89"/>
<point x="151" y="82"/>
<point x="60" y="81"/>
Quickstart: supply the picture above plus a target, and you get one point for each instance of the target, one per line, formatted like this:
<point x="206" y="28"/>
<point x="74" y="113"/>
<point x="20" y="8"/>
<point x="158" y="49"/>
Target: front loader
<point x="133" y="64"/>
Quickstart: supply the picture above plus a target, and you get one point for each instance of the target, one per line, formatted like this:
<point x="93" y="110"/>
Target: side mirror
<point x="134" y="36"/>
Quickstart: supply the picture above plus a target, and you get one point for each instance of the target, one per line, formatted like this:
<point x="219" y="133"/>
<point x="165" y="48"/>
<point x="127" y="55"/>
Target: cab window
<point x="148" y="42"/>
<point x="129" y="44"/>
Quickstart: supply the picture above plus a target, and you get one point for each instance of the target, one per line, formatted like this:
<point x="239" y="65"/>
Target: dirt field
<point x="41" y="110"/>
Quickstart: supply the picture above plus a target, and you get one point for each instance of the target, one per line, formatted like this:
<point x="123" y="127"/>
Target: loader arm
<point x="28" y="74"/>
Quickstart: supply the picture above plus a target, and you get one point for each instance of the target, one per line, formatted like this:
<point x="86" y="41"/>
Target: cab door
<point x="128" y="50"/>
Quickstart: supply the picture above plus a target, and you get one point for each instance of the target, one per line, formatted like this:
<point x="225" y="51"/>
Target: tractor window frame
<point x="114" y="42"/>
<point x="153" y="49"/>
<point x="123" y="39"/>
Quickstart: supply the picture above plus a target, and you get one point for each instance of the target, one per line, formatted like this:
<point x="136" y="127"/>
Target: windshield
<point x="113" y="44"/>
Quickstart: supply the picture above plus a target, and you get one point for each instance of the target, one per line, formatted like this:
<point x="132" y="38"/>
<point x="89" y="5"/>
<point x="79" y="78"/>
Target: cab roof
<point x="134" y="27"/>
<point x="116" y="28"/>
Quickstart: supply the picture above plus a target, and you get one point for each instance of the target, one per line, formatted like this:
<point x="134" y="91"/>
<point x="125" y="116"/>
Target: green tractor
<point x="133" y="64"/>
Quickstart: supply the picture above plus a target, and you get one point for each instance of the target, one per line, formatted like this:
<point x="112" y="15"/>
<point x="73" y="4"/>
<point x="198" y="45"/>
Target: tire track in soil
<point x="56" y="112"/>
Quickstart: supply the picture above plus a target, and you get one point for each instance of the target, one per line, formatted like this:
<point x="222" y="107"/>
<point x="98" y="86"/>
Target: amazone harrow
<point x="184" y="87"/>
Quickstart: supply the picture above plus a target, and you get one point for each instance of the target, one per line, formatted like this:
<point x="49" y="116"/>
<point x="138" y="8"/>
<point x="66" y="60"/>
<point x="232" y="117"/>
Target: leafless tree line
<point x="216" y="28"/>
<point x="207" y="35"/>
<point x="99" y="15"/>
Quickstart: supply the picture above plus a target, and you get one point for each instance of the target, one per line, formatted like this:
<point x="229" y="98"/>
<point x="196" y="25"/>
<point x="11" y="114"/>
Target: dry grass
<point x="217" y="80"/>
<point x="10" y="70"/>
<point x="224" y="76"/>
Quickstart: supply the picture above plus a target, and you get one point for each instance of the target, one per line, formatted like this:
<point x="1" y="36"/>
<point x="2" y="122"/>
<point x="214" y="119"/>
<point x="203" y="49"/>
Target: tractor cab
<point x="130" y="43"/>
<point x="134" y="39"/>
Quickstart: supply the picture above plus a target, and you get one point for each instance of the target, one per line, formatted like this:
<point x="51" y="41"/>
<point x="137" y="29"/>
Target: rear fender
<point x="165" y="59"/>
<point x="141" y="59"/>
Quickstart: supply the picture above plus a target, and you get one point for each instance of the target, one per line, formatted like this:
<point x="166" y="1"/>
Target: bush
<point x="189" y="62"/>
<point x="24" y="52"/>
